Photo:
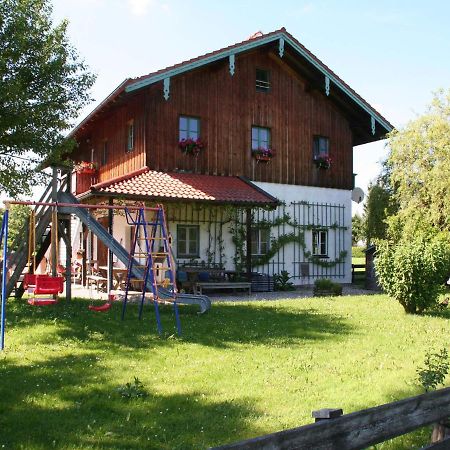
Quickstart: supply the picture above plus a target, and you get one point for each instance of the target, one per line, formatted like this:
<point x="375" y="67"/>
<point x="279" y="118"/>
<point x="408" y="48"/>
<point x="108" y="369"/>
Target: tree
<point x="419" y="164"/>
<point x="358" y="229"/>
<point x="18" y="216"/>
<point x="44" y="85"/>
<point x="376" y="211"/>
<point x="414" y="261"/>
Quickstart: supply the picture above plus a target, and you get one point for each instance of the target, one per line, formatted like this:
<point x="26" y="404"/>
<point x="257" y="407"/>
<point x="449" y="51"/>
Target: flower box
<point x="323" y="162"/>
<point x="87" y="171"/>
<point x="85" y="167"/>
<point x="263" y="154"/>
<point x="260" y="158"/>
<point x="191" y="146"/>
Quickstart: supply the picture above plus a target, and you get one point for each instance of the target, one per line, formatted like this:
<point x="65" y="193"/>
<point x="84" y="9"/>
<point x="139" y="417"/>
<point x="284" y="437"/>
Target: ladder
<point x="151" y="253"/>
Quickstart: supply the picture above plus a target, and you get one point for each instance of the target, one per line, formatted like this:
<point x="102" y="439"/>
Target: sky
<point x="394" y="54"/>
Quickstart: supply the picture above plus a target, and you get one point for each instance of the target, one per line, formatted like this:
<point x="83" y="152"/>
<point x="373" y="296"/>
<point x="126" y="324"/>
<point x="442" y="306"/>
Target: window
<point x="105" y="153"/>
<point x="188" y="241"/>
<point x="320" y="243"/>
<point x="189" y="127"/>
<point x="321" y="147"/>
<point x="260" y="138"/>
<point x="262" y="80"/>
<point x="260" y="241"/>
<point x="130" y="136"/>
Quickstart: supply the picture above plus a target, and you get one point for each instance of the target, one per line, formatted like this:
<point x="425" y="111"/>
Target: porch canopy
<point x="149" y="185"/>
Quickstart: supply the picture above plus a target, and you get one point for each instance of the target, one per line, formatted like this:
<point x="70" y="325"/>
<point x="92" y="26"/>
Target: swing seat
<point x="48" y="285"/>
<point x="29" y="280"/>
<point x="44" y="285"/>
<point x="101" y="308"/>
<point x="42" y="301"/>
<point x="105" y="307"/>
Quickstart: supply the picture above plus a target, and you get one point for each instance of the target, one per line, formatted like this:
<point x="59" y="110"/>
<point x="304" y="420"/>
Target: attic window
<point x="262" y="80"/>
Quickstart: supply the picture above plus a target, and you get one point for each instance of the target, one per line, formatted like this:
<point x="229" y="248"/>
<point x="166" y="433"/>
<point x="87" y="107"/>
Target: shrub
<point x="324" y="285"/>
<point x="413" y="270"/>
<point x="132" y="390"/>
<point x="282" y="283"/>
<point x="435" y="370"/>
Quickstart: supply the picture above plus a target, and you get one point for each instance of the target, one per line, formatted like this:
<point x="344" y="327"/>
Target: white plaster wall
<point x="287" y="194"/>
<point x="291" y="193"/>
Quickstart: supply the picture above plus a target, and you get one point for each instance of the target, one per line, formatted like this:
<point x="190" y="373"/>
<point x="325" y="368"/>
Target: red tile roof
<point x="149" y="184"/>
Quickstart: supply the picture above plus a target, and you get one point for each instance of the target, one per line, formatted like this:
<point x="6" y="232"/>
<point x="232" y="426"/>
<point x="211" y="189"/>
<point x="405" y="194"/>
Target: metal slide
<point x="102" y="234"/>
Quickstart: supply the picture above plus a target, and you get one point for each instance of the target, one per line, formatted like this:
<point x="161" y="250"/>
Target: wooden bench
<point x="199" y="287"/>
<point x="97" y="280"/>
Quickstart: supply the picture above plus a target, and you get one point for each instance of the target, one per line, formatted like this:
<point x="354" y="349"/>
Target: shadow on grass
<point x="226" y="324"/>
<point x="72" y="402"/>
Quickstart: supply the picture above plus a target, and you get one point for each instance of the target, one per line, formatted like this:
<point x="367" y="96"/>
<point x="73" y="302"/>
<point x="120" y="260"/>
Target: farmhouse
<point x="249" y="149"/>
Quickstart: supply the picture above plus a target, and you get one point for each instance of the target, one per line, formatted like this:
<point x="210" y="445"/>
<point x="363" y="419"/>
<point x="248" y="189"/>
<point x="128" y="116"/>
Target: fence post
<point x="327" y="413"/>
<point x="441" y="431"/>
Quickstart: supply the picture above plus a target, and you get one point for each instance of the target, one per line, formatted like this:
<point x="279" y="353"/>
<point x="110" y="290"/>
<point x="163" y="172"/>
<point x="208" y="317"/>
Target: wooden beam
<point x="110" y="253"/>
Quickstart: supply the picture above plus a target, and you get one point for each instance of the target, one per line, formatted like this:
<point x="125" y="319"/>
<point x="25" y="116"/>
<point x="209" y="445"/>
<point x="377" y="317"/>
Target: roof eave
<point x="94" y="193"/>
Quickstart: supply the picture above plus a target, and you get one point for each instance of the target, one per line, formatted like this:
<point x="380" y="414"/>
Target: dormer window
<point x="130" y="136"/>
<point x="262" y="80"/>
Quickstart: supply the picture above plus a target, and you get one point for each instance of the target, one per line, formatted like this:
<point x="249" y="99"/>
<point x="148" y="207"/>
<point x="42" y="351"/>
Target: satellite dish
<point x="357" y="195"/>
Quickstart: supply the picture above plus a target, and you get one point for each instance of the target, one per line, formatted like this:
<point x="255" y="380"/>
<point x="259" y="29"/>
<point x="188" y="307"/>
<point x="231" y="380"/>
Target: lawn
<point x="242" y="370"/>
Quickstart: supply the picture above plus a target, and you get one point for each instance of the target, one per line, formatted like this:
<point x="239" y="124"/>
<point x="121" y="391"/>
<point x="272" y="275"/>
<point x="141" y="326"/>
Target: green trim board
<point x="280" y="37"/>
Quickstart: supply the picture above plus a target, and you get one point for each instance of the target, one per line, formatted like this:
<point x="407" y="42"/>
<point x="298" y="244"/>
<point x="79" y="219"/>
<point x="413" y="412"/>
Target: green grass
<point x="242" y="370"/>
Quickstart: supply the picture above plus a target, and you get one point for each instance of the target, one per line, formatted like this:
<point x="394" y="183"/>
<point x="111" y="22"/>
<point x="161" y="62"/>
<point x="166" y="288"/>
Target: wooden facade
<point x="227" y="106"/>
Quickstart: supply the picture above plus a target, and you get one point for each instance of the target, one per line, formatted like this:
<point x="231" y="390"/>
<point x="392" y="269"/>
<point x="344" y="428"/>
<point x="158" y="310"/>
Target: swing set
<point x="148" y="234"/>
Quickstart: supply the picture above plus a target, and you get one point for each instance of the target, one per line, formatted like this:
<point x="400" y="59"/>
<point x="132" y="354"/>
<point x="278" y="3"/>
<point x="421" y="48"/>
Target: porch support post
<point x="83" y="263"/>
<point x="54" y="225"/>
<point x="110" y="253"/>
<point x="68" y="224"/>
<point x="248" y="219"/>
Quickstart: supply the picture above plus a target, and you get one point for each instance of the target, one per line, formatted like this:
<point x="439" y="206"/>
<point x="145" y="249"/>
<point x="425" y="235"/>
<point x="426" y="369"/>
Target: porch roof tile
<point x="149" y="184"/>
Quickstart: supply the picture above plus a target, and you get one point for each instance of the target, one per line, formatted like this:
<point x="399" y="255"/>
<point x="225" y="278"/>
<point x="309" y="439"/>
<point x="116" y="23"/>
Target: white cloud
<point x="139" y="7"/>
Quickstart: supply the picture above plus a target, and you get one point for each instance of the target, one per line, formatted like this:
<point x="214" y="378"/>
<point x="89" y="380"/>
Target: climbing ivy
<point x="237" y="231"/>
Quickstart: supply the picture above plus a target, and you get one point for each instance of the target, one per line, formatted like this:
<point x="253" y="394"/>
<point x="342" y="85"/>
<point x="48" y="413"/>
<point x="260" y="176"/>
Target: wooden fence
<point x="360" y="429"/>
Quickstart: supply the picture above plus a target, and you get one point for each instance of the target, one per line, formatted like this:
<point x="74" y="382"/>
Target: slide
<point x="102" y="234"/>
<point x="188" y="299"/>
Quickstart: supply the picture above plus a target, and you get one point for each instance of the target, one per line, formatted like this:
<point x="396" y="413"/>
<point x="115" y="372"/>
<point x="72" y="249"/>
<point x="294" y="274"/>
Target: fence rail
<point x="360" y="429"/>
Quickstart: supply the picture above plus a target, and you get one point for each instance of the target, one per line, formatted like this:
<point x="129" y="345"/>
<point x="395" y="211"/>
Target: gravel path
<point x="300" y="292"/>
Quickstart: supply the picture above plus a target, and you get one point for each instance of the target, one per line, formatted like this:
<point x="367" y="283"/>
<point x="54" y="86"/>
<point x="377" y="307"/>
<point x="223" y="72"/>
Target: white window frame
<point x="320" y="243"/>
<point x="259" y="142"/>
<point x="189" y="131"/>
<point x="260" y="241"/>
<point x="317" y="146"/>
<point x="192" y="234"/>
